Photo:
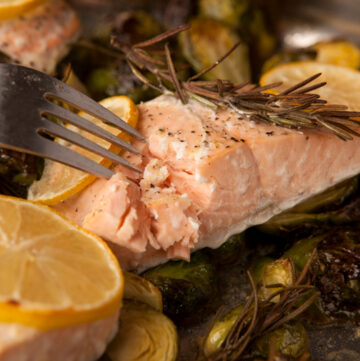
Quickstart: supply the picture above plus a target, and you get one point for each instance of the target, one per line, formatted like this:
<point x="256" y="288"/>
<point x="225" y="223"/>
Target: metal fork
<point x="26" y="98"/>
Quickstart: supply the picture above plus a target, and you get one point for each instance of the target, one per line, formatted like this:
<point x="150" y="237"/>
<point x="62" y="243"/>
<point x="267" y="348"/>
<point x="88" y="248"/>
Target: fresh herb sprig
<point x="294" y="108"/>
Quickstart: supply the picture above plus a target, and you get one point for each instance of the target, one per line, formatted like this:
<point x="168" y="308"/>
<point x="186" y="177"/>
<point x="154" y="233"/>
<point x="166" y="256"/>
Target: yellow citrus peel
<point x="13" y="8"/>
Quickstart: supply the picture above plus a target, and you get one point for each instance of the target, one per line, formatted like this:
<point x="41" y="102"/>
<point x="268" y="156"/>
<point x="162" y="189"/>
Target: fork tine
<point x="46" y="148"/>
<point x="56" y="130"/>
<point x="68" y="116"/>
<point x="81" y="101"/>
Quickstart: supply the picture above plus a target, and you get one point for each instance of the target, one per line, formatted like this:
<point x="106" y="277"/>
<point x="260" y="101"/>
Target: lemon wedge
<point x="53" y="273"/>
<point x="13" y="8"/>
<point x="343" y="84"/>
<point x="59" y="182"/>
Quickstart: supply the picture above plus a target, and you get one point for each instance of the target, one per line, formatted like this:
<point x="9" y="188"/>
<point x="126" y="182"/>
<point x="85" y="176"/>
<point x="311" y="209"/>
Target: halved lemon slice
<point x="53" y="273"/>
<point x="343" y="84"/>
<point x="59" y="182"/>
<point x="13" y="8"/>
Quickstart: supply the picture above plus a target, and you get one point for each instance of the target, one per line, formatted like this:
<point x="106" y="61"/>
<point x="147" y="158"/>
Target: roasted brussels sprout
<point x="301" y="250"/>
<point x="339" y="269"/>
<point x="117" y="79"/>
<point x="18" y="171"/>
<point x="186" y="286"/>
<point x="290" y="340"/>
<point x="206" y="42"/>
<point x="278" y="272"/>
<point x="141" y="290"/>
<point x="220" y="330"/>
<point x="330" y="199"/>
<point x="247" y="19"/>
<point x="144" y="335"/>
<point x="229" y="12"/>
<point x="304" y="215"/>
<point x="229" y="252"/>
<point x="131" y="27"/>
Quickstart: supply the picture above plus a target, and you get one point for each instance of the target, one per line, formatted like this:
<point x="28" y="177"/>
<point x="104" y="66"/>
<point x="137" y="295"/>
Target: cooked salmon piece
<point x="84" y="342"/>
<point x="41" y="37"/>
<point x="206" y="175"/>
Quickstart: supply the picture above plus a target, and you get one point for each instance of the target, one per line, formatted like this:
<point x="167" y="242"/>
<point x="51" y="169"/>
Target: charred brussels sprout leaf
<point x="186" y="286"/>
<point x="206" y="42"/>
<point x="338" y="278"/>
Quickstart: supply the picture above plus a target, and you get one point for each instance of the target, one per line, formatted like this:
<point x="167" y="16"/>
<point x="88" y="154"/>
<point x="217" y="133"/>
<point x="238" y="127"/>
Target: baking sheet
<point x="299" y="23"/>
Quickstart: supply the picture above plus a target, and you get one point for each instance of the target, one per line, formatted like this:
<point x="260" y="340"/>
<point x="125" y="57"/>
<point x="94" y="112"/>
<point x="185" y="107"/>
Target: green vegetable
<point x="220" y="330"/>
<point x="330" y="199"/>
<point x="131" y="27"/>
<point x="300" y="252"/>
<point x="339" y="269"/>
<point x="277" y="272"/>
<point x="206" y="42"/>
<point x="229" y="252"/>
<point x="229" y="12"/>
<point x="185" y="286"/>
<point x="290" y="339"/>
<point x="141" y="290"/>
<point x="304" y="215"/>
<point x="18" y="171"/>
<point x="246" y="18"/>
<point x="144" y="335"/>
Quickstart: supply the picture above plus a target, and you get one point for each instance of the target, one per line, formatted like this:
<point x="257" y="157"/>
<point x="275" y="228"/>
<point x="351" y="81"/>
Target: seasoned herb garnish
<point x="295" y="108"/>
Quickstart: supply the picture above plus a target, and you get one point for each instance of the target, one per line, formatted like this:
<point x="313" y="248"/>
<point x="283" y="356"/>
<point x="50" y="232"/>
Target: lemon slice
<point x="338" y="53"/>
<point x="343" y="84"/>
<point x="53" y="273"/>
<point x="13" y="8"/>
<point x="58" y="182"/>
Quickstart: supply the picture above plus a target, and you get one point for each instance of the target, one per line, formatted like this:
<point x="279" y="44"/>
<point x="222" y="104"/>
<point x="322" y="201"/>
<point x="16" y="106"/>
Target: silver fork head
<point x="26" y="96"/>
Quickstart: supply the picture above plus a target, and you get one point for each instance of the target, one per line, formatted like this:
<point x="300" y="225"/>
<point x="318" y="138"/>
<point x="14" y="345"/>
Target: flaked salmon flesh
<point x="40" y="37"/>
<point x="206" y="175"/>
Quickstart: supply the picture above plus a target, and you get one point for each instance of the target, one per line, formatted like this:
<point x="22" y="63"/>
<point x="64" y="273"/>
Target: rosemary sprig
<point x="294" y="108"/>
<point x="258" y="318"/>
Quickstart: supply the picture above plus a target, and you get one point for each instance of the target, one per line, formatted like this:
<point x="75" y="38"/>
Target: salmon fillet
<point x="40" y="37"/>
<point x="206" y="175"/>
<point x="84" y="342"/>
